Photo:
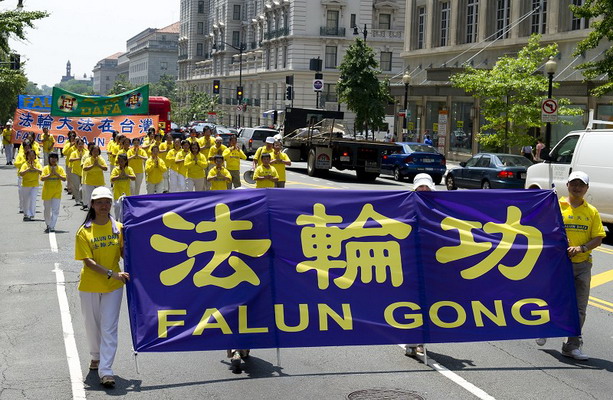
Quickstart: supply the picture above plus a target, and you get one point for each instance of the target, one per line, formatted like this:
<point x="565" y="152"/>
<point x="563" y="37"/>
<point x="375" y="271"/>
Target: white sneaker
<point x="577" y="354"/>
<point x="541" y="341"/>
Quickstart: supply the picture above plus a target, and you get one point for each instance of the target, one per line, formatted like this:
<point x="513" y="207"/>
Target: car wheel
<point x="450" y="182"/>
<point x="397" y="175"/>
<point x="486" y="185"/>
<point x="311" y="171"/>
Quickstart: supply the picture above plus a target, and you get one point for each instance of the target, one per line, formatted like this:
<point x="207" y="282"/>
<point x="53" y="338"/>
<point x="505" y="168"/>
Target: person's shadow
<point x="256" y="367"/>
<point x="121" y="388"/>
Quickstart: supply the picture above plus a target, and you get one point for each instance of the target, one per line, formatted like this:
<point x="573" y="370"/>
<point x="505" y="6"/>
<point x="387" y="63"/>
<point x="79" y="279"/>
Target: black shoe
<point x="26" y="218"/>
<point x="47" y="230"/>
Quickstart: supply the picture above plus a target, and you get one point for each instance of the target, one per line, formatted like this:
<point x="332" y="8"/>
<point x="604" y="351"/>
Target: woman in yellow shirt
<point x="30" y="173"/>
<point x="48" y="145"/>
<point x="53" y="175"/>
<point x="68" y="148"/>
<point x="19" y="161"/>
<point x="155" y="168"/>
<point x="265" y="176"/>
<point x="93" y="173"/>
<point x="136" y="159"/>
<point x="180" y="163"/>
<point x="111" y="152"/>
<point x="233" y="156"/>
<point x="165" y="147"/>
<point x="196" y="164"/>
<point x="121" y="177"/>
<point x="75" y="165"/>
<point x="173" y="178"/>
<point x="99" y="244"/>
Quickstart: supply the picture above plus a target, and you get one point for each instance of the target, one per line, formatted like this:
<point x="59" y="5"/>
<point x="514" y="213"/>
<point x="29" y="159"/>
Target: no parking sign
<point x="549" y="110"/>
<point x="318" y="85"/>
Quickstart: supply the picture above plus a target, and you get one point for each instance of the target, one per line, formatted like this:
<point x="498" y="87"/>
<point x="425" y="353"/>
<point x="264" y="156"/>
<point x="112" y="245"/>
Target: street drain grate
<point x="380" y="394"/>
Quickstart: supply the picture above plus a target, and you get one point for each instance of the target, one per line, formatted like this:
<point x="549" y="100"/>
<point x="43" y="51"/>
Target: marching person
<point x="20" y="160"/>
<point x="76" y="155"/>
<point x="122" y="177"/>
<point x="30" y="173"/>
<point x="196" y="164"/>
<point x="165" y="147"/>
<point x="6" y="142"/>
<point x="48" y="145"/>
<point x="585" y="232"/>
<point x="68" y="148"/>
<point x="233" y="156"/>
<point x="136" y="159"/>
<point x="267" y="148"/>
<point x="173" y="173"/>
<point x="155" y="168"/>
<point x="111" y="153"/>
<point x="180" y="163"/>
<point x="52" y="176"/>
<point x="99" y="244"/>
<point x="219" y="177"/>
<point x="206" y="142"/>
<point x="279" y="161"/>
<point x="265" y="176"/>
<point x="93" y="173"/>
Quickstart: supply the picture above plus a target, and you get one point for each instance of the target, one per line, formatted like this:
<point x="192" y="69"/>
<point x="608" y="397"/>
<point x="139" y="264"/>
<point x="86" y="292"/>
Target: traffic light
<point x="289" y="79"/>
<point x="15" y="62"/>
<point x="216" y="86"/>
<point x="239" y="93"/>
<point x="288" y="93"/>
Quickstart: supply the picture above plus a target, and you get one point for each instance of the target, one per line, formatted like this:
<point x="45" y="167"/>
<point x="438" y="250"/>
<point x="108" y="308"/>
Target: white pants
<point x="137" y="183"/>
<point x="166" y="182"/>
<point x="29" y="200"/>
<point x="195" y="184"/>
<point x="207" y="184"/>
<point x="75" y="181"/>
<point x="52" y="211"/>
<point x="69" y="179"/>
<point x="20" y="192"/>
<point x="172" y="181"/>
<point x="87" y="193"/>
<point x="101" y="317"/>
<point x="118" y="209"/>
<point x="45" y="158"/>
<point x="155" y="187"/>
<point x="8" y="151"/>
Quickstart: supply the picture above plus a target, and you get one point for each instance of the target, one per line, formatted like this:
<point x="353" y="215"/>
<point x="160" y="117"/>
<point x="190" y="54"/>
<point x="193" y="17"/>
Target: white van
<point x="590" y="151"/>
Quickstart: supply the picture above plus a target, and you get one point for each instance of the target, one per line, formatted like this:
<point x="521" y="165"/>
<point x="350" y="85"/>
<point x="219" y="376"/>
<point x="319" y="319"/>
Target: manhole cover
<point x="387" y="394"/>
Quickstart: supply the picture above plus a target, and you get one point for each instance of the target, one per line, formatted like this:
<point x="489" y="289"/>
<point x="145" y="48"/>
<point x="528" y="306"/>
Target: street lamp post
<point x="356" y="31"/>
<point x="240" y="49"/>
<point x="550" y="70"/>
<point x="406" y="79"/>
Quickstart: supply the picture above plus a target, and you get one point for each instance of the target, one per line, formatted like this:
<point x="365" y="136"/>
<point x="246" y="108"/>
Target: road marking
<point x="604" y="250"/>
<point x="480" y="393"/>
<point x="601" y="278"/>
<point x="72" y="354"/>
<point x="53" y="242"/>
<point x="310" y="184"/>
<point x="594" y="302"/>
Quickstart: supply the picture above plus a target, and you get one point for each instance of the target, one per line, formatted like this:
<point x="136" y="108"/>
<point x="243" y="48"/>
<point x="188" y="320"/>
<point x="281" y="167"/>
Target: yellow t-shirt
<point x="101" y="244"/>
<point x="66" y="151"/>
<point x="137" y="164"/>
<point x="280" y="167"/>
<point x="164" y="150"/>
<point x="6" y="136"/>
<point x="48" y="143"/>
<point x="121" y="186"/>
<point x="263" y="171"/>
<point x="75" y="161"/>
<point x="32" y="178"/>
<point x="214" y="151"/>
<point x="205" y="145"/>
<point x="195" y="165"/>
<point x="219" y="176"/>
<point x="155" y="173"/>
<point x="180" y="166"/>
<point x="233" y="158"/>
<point x="170" y="159"/>
<point x="20" y="159"/>
<point x="259" y="151"/>
<point x="582" y="224"/>
<point x="95" y="176"/>
<point x="111" y="151"/>
<point x="52" y="187"/>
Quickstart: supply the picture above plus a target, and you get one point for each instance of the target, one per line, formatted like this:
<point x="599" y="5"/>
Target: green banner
<point x="68" y="104"/>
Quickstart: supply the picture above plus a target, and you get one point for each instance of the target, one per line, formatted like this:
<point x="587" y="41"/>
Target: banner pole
<point x="278" y="357"/>
<point x="135" y="353"/>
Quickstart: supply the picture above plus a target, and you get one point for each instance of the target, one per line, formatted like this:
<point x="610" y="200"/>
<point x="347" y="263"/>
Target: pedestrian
<point x="279" y="161"/>
<point x="267" y="148"/>
<point x="93" y="173"/>
<point x="155" y="168"/>
<point x="111" y="151"/>
<point x="68" y="148"/>
<point x="30" y="174"/>
<point x="121" y="177"/>
<point x="264" y="175"/>
<point x="233" y="156"/>
<point x="20" y="160"/>
<point x="99" y="244"/>
<point x="585" y="232"/>
<point x="48" y="142"/>
<point x="539" y="148"/>
<point x="206" y="142"/>
<point x="180" y="163"/>
<point x="527" y="152"/>
<point x="428" y="141"/>
<point x="76" y="168"/>
<point x="165" y="147"/>
<point x="136" y="159"/>
<point x="7" y="135"/>
<point x="173" y="173"/>
<point x="219" y="177"/>
<point x="52" y="176"/>
<point x="196" y="164"/>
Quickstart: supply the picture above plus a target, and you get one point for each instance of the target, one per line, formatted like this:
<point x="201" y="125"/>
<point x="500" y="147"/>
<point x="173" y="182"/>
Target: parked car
<point x="489" y="171"/>
<point x="412" y="158"/>
<point x="250" y="139"/>
<point x="225" y="133"/>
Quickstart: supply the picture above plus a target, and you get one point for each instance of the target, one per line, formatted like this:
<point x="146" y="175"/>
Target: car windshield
<point x="513" y="161"/>
<point x="421" y="148"/>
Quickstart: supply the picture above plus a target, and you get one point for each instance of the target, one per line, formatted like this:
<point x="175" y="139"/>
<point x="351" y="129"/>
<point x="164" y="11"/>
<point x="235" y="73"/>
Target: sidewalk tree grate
<point x="387" y="394"/>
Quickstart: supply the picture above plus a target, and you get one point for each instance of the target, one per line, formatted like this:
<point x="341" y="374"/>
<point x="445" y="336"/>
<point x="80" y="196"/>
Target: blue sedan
<point x="410" y="159"/>
<point x="489" y="171"/>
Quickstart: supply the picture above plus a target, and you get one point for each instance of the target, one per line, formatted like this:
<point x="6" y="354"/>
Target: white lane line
<point x="72" y="355"/>
<point x="53" y="242"/>
<point x="480" y="393"/>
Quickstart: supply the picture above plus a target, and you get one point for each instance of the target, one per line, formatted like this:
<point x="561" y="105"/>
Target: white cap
<point x="270" y="140"/>
<point x="423" y="180"/>
<point x="582" y="176"/>
<point x="102" y="192"/>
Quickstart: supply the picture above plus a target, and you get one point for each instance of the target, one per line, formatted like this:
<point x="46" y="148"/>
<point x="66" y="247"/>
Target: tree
<point x="84" y="87"/>
<point x="193" y="105"/>
<point x="602" y="29"/>
<point x="511" y="94"/>
<point x="166" y="86"/>
<point x="360" y="88"/>
<point x="32" y="88"/>
<point x="13" y="24"/>
<point x="121" y="85"/>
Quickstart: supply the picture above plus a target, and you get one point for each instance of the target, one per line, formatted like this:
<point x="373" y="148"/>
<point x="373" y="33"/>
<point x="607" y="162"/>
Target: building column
<point x="454" y="22"/>
<point x="482" y="32"/>
<point x="430" y="26"/>
<point x="408" y="22"/>
<point x="553" y="16"/>
<point x="516" y="15"/>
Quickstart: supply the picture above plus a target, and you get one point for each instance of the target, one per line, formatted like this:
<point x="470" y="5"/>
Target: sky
<point x="84" y="32"/>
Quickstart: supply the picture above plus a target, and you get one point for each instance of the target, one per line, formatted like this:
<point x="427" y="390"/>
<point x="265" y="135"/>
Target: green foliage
<point x="166" y="86"/>
<point x="85" y="87"/>
<point x="32" y="88"/>
<point x="602" y="31"/>
<point x="121" y="85"/>
<point x="360" y="88"/>
<point x="511" y="94"/>
<point x="14" y="22"/>
<point x="194" y="105"/>
<point x="12" y="83"/>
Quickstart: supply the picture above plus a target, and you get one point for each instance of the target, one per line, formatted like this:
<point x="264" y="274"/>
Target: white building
<point x="105" y="74"/>
<point x="279" y="38"/>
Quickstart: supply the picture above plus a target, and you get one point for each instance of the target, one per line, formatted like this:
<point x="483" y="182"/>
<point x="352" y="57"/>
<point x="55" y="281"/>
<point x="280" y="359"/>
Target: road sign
<point x="318" y="85"/>
<point x="549" y="110"/>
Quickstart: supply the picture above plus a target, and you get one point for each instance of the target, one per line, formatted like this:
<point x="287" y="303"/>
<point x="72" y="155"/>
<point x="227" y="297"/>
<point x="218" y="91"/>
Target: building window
<point x="332" y="19"/>
<point x="163" y="65"/>
<point x="199" y="49"/>
<point x="236" y="13"/>
<point x="201" y="7"/>
<point x="236" y="38"/>
<point x="352" y="21"/>
<point x="108" y="78"/>
<point x="268" y="51"/>
<point x="385" y="21"/>
<point x="472" y="20"/>
<point x="575" y="22"/>
<point x="200" y="30"/>
<point x="330" y="56"/>
<point x="421" y="26"/>
<point x="330" y="92"/>
<point x="503" y="10"/>
<point x="539" y="16"/>
<point x="386" y="61"/>
<point x="276" y="55"/>
<point x="285" y="56"/>
<point x="444" y="27"/>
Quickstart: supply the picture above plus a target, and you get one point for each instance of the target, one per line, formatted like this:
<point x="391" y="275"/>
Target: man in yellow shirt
<point x="585" y="232"/>
<point x="6" y="142"/>
<point x="219" y="177"/>
<point x="279" y="161"/>
<point x="136" y="159"/>
<point x="217" y="149"/>
<point x="53" y="175"/>
<point x="94" y="167"/>
<point x="155" y="169"/>
<point x="48" y="145"/>
<point x="265" y="176"/>
<point x="267" y="148"/>
<point x="233" y="156"/>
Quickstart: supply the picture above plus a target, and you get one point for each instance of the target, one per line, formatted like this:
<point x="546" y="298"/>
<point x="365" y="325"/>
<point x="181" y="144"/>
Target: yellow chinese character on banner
<point x="222" y="248"/>
<point x="510" y="230"/>
<point x="323" y="242"/>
